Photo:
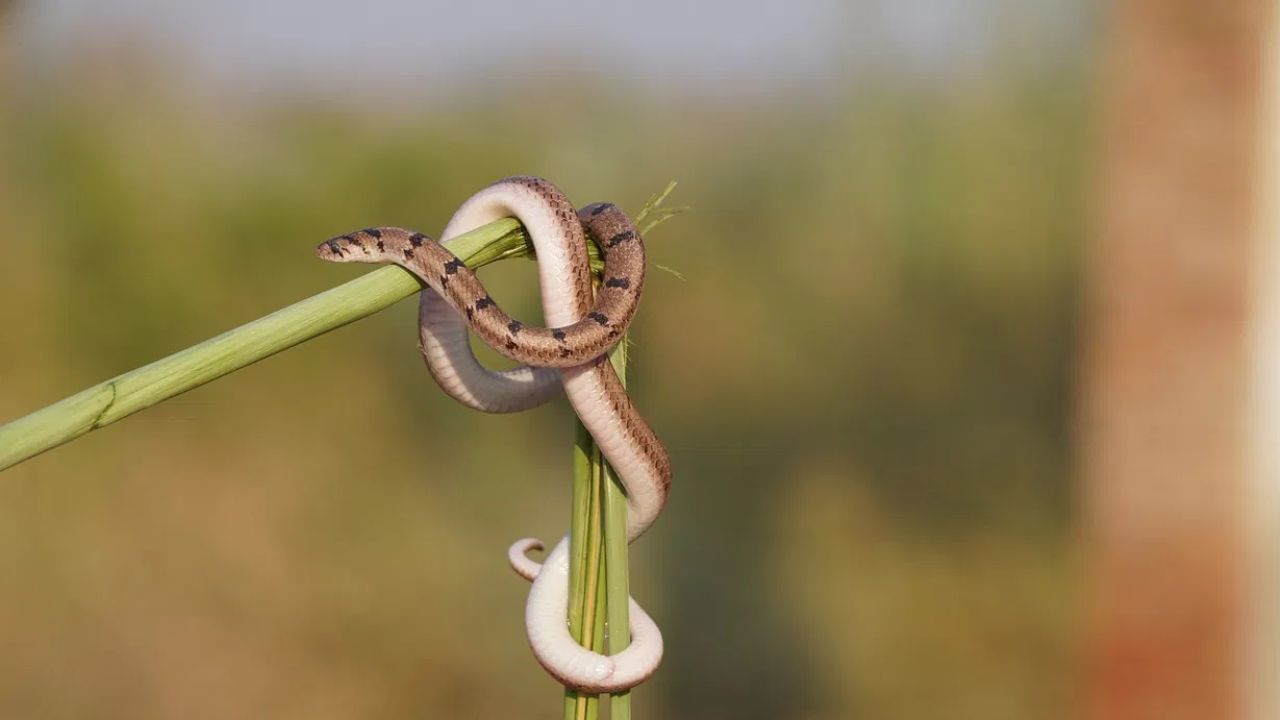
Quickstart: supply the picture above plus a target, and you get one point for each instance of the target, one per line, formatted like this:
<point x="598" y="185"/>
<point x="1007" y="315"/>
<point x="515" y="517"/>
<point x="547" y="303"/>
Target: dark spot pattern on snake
<point x="620" y="238"/>
<point x="621" y="249"/>
<point x="583" y="342"/>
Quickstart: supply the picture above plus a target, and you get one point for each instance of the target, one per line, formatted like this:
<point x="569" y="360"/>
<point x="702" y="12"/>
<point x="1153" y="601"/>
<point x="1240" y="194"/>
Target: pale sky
<point x="713" y="45"/>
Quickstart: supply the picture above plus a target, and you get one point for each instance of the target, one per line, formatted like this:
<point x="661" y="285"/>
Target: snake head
<point x="358" y="246"/>
<point x="339" y="249"/>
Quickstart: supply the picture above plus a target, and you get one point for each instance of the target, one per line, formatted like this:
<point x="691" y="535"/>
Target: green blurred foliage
<point x="865" y="384"/>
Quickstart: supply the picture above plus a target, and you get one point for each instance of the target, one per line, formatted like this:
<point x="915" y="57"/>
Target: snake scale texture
<point x="583" y="324"/>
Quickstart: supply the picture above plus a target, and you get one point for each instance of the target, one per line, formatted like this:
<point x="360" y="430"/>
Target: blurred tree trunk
<point x="1168" y="393"/>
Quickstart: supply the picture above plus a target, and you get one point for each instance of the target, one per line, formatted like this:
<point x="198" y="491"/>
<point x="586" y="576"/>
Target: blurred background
<point x="865" y="379"/>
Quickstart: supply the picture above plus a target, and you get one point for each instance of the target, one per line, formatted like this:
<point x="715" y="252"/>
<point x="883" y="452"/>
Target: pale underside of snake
<point x="580" y="329"/>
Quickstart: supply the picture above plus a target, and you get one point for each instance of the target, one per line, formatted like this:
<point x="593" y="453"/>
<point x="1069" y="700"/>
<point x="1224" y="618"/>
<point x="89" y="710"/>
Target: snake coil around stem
<point x="568" y="354"/>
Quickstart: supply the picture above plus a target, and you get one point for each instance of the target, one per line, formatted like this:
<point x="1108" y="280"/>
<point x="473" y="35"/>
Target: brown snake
<point x="581" y="329"/>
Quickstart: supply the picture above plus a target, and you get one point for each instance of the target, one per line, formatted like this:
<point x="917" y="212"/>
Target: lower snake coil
<point x="570" y="352"/>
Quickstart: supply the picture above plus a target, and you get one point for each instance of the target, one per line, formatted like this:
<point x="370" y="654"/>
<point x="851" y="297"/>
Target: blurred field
<point x="865" y="383"/>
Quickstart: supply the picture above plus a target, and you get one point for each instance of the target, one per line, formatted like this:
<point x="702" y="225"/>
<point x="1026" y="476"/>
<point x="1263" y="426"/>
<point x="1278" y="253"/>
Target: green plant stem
<point x="139" y="389"/>
<point x="617" y="576"/>
<point x="578" y="706"/>
<point x="598" y="549"/>
<point x="123" y="395"/>
<point x="599" y="514"/>
<point x="586" y="560"/>
<point x="598" y="540"/>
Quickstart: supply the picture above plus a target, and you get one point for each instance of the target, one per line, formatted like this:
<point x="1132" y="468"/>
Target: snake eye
<point x="329" y="249"/>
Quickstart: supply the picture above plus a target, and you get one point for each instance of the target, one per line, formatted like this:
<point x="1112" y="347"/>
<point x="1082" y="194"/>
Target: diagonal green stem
<point x="598" y="542"/>
<point x="123" y="395"/>
<point x="139" y="389"/>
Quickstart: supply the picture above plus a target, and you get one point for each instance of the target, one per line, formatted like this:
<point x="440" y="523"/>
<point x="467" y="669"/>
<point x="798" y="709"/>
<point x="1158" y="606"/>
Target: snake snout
<point x="332" y="250"/>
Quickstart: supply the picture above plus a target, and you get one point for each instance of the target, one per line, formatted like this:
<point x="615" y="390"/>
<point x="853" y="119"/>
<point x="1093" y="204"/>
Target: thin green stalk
<point x="617" y="575"/>
<point x="598" y="548"/>
<point x="598" y="497"/>
<point x="579" y="523"/>
<point x="585" y="564"/>
<point x="598" y="626"/>
<point x="598" y="542"/>
<point x="139" y="389"/>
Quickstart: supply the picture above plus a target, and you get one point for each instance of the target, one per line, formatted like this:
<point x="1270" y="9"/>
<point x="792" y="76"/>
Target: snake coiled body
<point x="580" y="329"/>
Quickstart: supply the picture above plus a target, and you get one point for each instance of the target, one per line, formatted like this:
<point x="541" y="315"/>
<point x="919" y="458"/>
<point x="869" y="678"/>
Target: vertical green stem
<point x="597" y="622"/>
<point x="584" y="533"/>
<point x="598" y="584"/>
<point x="600" y="519"/>
<point x="617" y="576"/>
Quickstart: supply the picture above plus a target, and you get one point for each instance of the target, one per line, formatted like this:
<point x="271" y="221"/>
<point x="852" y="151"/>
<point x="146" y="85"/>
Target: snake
<point x="582" y="324"/>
